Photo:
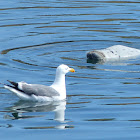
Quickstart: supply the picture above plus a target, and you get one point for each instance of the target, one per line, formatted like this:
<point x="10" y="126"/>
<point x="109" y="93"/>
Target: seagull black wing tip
<point x="13" y="83"/>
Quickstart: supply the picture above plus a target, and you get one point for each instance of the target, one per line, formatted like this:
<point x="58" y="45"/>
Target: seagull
<point x="37" y="92"/>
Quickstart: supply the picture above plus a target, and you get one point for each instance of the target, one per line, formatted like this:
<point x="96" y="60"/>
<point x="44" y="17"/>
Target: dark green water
<point x="103" y="99"/>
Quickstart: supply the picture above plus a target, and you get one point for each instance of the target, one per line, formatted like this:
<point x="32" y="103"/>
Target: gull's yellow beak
<point x="72" y="70"/>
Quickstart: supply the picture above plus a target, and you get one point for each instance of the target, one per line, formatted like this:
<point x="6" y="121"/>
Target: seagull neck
<point x="59" y="79"/>
<point x="59" y="84"/>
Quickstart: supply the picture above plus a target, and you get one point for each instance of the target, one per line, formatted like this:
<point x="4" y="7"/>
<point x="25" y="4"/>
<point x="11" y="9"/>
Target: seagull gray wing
<point x="34" y="89"/>
<point x="39" y="90"/>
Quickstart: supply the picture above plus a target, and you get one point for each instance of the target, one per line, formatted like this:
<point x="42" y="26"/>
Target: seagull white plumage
<point x="37" y="92"/>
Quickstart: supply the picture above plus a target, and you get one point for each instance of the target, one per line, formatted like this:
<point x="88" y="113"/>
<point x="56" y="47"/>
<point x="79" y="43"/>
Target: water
<point x="103" y="99"/>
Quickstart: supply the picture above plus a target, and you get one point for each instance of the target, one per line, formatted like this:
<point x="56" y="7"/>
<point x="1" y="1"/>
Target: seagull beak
<point x="71" y="70"/>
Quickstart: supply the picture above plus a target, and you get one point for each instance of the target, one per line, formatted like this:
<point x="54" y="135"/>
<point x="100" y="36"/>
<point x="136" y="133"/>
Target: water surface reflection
<point x="21" y="109"/>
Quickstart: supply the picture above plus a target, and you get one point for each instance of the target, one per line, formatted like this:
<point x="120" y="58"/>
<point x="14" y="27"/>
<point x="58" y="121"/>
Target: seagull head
<point x="64" y="69"/>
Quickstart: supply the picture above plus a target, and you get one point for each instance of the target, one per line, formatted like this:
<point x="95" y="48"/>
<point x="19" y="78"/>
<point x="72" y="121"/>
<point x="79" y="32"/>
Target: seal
<point x="113" y="53"/>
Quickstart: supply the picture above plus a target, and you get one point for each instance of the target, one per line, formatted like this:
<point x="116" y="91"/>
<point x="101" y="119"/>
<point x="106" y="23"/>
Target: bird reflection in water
<point x="18" y="109"/>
